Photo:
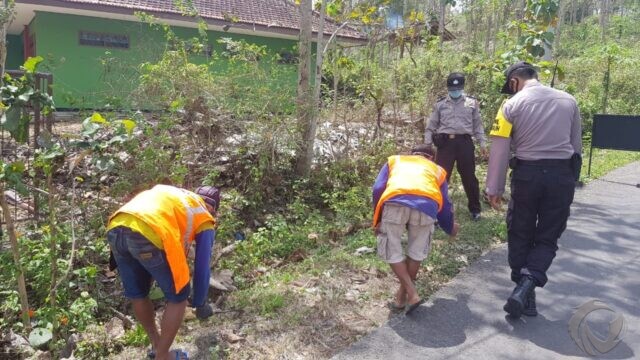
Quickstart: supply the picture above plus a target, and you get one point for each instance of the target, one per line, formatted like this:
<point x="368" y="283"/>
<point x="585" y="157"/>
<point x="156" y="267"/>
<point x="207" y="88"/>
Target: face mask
<point x="514" y="89"/>
<point x="454" y="94"/>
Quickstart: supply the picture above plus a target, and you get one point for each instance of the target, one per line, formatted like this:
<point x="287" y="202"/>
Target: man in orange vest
<point x="150" y="237"/>
<point x="410" y="192"/>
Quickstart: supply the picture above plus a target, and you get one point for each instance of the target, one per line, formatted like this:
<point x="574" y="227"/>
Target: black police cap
<point x="455" y="81"/>
<point x="513" y="67"/>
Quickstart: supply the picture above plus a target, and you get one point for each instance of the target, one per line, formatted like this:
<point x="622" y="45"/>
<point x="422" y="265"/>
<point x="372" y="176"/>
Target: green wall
<point x="15" y="52"/>
<point x="92" y="77"/>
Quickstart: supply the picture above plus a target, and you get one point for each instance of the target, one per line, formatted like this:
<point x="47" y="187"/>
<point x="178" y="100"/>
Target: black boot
<point x="516" y="302"/>
<point x="530" y="306"/>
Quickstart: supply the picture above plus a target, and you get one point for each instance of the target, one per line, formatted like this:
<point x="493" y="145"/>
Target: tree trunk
<point x="15" y="249"/>
<point x="304" y="96"/>
<point x="487" y="39"/>
<point x="6" y="15"/>
<point x="606" y="82"/>
<point x="53" y="252"/>
<point x="604" y="17"/>
<point x="443" y="9"/>
<point x="562" y="10"/>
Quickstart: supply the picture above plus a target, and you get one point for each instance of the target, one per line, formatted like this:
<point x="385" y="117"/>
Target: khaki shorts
<point x="395" y="219"/>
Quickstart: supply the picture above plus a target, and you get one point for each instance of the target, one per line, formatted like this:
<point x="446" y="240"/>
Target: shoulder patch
<point x="501" y="127"/>
<point x="470" y="102"/>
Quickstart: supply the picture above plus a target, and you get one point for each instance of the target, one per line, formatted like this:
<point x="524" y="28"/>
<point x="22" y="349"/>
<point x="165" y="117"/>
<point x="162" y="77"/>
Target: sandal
<point x="412" y="307"/>
<point x="180" y="355"/>
<point x="395" y="307"/>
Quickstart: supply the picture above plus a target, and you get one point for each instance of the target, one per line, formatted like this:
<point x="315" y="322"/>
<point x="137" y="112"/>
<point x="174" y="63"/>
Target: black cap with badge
<point x="455" y="81"/>
<point x="517" y="66"/>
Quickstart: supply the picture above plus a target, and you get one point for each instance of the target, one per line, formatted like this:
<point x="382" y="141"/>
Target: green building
<point x="94" y="48"/>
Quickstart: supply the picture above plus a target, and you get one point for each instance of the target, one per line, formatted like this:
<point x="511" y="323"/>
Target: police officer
<point x="542" y="127"/>
<point x="455" y="118"/>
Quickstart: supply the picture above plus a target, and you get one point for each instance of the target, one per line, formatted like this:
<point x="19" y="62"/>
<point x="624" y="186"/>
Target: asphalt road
<point x="599" y="258"/>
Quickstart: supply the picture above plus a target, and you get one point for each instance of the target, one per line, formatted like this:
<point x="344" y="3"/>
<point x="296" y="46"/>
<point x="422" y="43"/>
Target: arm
<point x="500" y="151"/>
<point x="478" y="128"/>
<point x="498" y="162"/>
<point x="445" y="215"/>
<point x="432" y="125"/>
<point x="202" y="271"/>
<point x="380" y="184"/>
<point x="576" y="132"/>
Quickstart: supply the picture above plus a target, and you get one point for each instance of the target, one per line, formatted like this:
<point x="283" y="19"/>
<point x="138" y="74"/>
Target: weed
<point x="136" y="337"/>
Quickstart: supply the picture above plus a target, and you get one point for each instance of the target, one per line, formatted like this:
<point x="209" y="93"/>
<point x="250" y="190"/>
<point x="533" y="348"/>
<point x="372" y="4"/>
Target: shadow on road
<point x="437" y="329"/>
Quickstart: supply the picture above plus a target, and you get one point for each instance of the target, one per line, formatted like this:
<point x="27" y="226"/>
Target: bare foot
<point x="401" y="297"/>
<point x="414" y="300"/>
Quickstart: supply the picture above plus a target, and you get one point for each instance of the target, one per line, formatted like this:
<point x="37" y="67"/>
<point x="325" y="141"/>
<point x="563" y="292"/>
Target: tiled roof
<point x="273" y="14"/>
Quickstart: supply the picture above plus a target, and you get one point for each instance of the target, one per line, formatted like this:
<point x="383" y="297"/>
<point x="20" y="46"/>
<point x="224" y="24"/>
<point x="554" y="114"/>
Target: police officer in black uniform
<point x="541" y="127"/>
<point x="454" y="120"/>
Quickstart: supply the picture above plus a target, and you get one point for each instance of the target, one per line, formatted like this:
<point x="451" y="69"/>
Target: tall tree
<point x="305" y="157"/>
<point x="303" y="100"/>
<point x="604" y="17"/>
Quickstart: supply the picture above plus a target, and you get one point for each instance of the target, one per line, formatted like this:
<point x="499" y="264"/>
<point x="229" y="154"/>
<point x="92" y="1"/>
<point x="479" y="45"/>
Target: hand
<point x="204" y="312"/>
<point x="495" y="201"/>
<point x="484" y="153"/>
<point x="455" y="230"/>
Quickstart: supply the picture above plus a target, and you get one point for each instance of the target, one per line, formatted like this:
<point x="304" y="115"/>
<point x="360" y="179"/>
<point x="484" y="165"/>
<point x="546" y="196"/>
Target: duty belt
<point x="542" y="162"/>
<point x="453" y="136"/>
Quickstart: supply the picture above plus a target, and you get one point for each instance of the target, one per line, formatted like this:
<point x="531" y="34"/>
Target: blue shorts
<point x="139" y="263"/>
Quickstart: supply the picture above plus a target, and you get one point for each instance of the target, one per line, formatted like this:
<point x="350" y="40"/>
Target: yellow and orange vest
<point x="175" y="215"/>
<point x="411" y="175"/>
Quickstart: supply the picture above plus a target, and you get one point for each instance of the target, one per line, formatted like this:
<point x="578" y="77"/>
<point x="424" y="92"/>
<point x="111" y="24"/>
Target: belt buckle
<point x="452" y="136"/>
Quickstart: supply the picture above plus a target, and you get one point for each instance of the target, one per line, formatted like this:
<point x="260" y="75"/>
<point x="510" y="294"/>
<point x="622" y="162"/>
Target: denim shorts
<point x="139" y="263"/>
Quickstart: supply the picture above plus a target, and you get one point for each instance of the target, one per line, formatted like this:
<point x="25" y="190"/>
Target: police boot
<point x="530" y="306"/>
<point x="516" y="302"/>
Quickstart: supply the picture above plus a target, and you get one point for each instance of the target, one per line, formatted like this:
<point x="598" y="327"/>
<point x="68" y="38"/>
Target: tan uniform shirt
<point x="460" y="116"/>
<point x="536" y="123"/>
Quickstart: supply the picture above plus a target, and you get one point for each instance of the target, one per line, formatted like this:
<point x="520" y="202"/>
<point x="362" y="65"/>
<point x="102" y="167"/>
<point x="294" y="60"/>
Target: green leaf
<point x="39" y="337"/>
<point x="17" y="167"/>
<point x="105" y="164"/>
<point x="26" y="96"/>
<point x="11" y="118"/>
<point x="97" y="118"/>
<point x="89" y="128"/>
<point x="156" y="294"/>
<point x="32" y="63"/>
<point x="21" y="133"/>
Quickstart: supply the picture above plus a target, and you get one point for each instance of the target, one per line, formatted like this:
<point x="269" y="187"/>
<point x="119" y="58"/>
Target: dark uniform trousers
<point x="461" y="151"/>
<point x="541" y="195"/>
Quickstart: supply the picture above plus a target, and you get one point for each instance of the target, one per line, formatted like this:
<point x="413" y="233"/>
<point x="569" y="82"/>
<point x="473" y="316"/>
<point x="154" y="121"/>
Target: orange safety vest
<point x="411" y="175"/>
<point x="174" y="214"/>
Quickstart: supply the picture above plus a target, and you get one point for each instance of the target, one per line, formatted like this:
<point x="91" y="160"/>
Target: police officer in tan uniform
<point x="454" y="120"/>
<point x="541" y="126"/>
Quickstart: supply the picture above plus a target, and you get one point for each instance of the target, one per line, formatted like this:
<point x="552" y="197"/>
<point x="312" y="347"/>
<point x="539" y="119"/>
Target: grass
<point x="603" y="161"/>
<point x="321" y="288"/>
<point x="317" y="306"/>
<point x="334" y="294"/>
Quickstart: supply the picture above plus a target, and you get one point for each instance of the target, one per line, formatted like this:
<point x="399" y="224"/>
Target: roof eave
<point x="219" y="23"/>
